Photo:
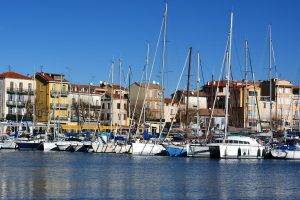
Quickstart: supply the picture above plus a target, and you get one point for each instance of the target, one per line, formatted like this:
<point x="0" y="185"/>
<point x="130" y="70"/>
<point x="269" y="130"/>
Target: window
<point x="125" y="106"/>
<point x="21" y="86"/>
<point x="63" y="89"/>
<point x="29" y="86"/>
<point x="252" y="124"/>
<point x="108" y="116"/>
<point x="251" y="102"/>
<point x="11" y="86"/>
<point x="220" y="89"/>
<point x="171" y="111"/>
<point x="265" y="104"/>
<point x="108" y="105"/>
<point x="103" y="106"/>
<point x="125" y="117"/>
<point x="118" y="105"/>
<point x="102" y="116"/>
<point x="252" y="93"/>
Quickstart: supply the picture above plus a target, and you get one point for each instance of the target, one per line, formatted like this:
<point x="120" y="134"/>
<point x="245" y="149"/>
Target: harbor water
<point x="65" y="175"/>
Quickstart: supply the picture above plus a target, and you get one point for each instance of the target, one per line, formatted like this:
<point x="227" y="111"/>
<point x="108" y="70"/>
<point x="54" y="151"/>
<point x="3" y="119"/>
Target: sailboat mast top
<point x="228" y="74"/>
<point x="163" y="69"/>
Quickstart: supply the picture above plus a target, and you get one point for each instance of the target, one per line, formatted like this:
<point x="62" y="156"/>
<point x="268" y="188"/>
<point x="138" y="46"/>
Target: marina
<point x="149" y="100"/>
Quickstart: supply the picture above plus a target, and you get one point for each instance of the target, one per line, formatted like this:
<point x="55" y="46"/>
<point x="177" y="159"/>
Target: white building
<point x="16" y="97"/>
<point x="114" y="110"/>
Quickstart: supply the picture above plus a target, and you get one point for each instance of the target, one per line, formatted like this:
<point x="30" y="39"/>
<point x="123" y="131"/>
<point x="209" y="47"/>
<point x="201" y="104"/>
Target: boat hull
<point x="103" y="148"/>
<point x="8" y="145"/>
<point x="241" y="152"/>
<point x="122" y="148"/>
<point x="148" y="149"/>
<point x="202" y="151"/>
<point x="29" y="145"/>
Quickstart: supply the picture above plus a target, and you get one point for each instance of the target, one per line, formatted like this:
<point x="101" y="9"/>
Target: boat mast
<point x="162" y="72"/>
<point x="228" y="73"/>
<point x="120" y="111"/>
<point x="146" y="80"/>
<point x="246" y="84"/>
<point x="188" y="89"/>
<point x="111" y="96"/>
<point x="270" y="74"/>
<point x="198" y="82"/>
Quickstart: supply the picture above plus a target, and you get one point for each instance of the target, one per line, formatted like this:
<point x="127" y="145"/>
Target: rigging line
<point x="201" y="68"/>
<point x="152" y="66"/>
<point x="214" y="103"/>
<point x="238" y="57"/>
<point x="135" y="106"/>
<point x="263" y="56"/>
<point x="179" y="81"/>
<point x="274" y="60"/>
<point x="253" y="81"/>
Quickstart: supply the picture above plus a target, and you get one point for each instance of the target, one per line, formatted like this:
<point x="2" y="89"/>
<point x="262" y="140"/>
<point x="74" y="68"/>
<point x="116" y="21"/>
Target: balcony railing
<point x="26" y="117"/>
<point x="20" y="91"/>
<point x="58" y="106"/>
<point x="56" y="119"/>
<point x="56" y="93"/>
<point x="16" y="103"/>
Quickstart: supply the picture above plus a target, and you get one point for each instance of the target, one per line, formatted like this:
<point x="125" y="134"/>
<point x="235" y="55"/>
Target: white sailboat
<point x="153" y="146"/>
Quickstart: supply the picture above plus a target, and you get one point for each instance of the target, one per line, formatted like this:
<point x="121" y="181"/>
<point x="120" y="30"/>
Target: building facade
<point x="16" y="97"/>
<point x="52" y="98"/>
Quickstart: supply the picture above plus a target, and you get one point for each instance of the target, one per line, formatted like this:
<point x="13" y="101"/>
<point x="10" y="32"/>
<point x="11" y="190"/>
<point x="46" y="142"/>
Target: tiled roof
<point x="168" y="100"/>
<point x="49" y="77"/>
<point x="14" y="75"/>
<point x="207" y="112"/>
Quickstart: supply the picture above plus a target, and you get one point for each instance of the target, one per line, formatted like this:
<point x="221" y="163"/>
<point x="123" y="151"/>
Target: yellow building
<point x="245" y="109"/>
<point x="52" y="98"/>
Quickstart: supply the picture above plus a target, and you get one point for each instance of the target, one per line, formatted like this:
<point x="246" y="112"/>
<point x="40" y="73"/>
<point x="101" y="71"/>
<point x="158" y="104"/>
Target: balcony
<point x="59" y="106"/>
<point x="59" y="119"/>
<point x="20" y="91"/>
<point x="26" y="117"/>
<point x="15" y="103"/>
<point x="56" y="93"/>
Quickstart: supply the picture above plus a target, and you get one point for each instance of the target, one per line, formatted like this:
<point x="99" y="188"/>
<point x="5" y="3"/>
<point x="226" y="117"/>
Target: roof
<point x="49" y="77"/>
<point x="116" y="96"/>
<point x="114" y="86"/>
<point x="151" y="85"/>
<point x="222" y="83"/>
<point x="216" y="113"/>
<point x="15" y="75"/>
<point x="168" y="100"/>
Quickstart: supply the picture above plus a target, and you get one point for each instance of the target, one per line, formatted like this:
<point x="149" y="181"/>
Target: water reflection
<point x="63" y="175"/>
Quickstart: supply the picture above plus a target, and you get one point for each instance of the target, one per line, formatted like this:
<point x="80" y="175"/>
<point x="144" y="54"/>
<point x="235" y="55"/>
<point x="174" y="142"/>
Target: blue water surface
<point x="65" y="175"/>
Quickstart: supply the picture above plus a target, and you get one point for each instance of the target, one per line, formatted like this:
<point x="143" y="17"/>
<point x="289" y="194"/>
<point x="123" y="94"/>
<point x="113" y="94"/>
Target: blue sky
<point x="81" y="37"/>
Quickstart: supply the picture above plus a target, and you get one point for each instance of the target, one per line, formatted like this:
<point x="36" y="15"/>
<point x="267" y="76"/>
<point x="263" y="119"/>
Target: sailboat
<point x="152" y="146"/>
<point x="232" y="146"/>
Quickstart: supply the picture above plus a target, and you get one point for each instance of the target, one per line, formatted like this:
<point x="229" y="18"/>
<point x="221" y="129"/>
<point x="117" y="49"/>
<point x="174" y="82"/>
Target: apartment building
<point x="52" y="98"/>
<point x="138" y="92"/>
<point x="16" y="97"/>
